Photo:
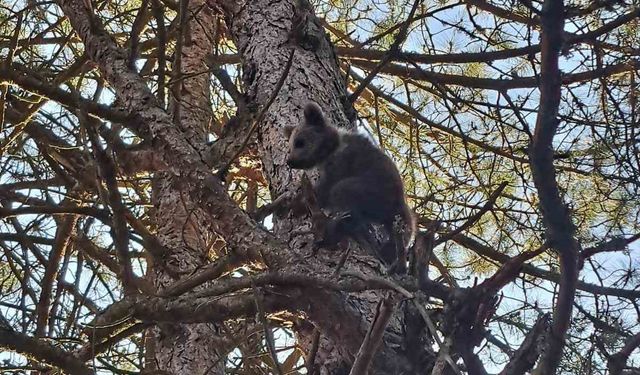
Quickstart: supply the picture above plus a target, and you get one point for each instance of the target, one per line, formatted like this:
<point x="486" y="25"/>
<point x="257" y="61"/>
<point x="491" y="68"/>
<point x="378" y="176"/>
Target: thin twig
<point x="391" y="53"/>
<point x="473" y="219"/>
<point x="158" y="14"/>
<point x="380" y="283"/>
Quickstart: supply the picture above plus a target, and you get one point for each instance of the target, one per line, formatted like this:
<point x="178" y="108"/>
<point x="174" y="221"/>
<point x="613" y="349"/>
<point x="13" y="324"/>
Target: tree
<point x="145" y="229"/>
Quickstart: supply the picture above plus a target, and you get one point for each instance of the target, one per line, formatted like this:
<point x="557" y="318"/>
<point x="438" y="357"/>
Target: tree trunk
<point x="265" y="32"/>
<point x="181" y="225"/>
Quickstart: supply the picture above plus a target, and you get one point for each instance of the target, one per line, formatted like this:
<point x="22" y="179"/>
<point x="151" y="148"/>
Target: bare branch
<point x="560" y="230"/>
<point x="615" y="244"/>
<point x="268" y="334"/>
<point x="527" y="354"/>
<point x="42" y="352"/>
<point x="618" y="361"/>
<point x="63" y="239"/>
<point x="372" y="339"/>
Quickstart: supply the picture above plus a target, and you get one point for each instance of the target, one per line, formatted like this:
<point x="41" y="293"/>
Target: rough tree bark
<point x="265" y="32"/>
<point x="181" y="225"/>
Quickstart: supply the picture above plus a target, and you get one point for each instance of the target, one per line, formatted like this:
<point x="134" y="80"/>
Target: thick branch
<point x="532" y="270"/>
<point x="527" y="354"/>
<point x="618" y="361"/>
<point x="373" y="337"/>
<point x="556" y="216"/>
<point x="615" y="244"/>
<point x="26" y="79"/>
<point x="42" y="352"/>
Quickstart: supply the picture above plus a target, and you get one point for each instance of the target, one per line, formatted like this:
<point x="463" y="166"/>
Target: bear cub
<point x="358" y="184"/>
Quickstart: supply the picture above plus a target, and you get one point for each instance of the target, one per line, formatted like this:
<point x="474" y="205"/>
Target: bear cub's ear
<point x="313" y="115"/>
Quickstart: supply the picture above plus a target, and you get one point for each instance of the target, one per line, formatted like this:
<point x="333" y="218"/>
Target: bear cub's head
<point x="311" y="142"/>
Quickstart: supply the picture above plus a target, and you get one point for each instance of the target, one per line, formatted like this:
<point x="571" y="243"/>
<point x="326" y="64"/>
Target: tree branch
<point x="473" y="219"/>
<point x="618" y="361"/>
<point x="532" y="270"/>
<point x="497" y="84"/>
<point x="42" y="352"/>
<point x="119" y="231"/>
<point x="372" y="339"/>
<point x="556" y="216"/>
<point x="529" y="351"/>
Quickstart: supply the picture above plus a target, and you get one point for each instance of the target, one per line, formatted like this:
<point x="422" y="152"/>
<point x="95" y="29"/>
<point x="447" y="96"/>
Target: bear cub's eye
<point x="299" y="143"/>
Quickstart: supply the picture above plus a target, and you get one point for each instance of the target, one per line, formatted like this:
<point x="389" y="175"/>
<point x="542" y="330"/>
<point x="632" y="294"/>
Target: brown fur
<point x="356" y="178"/>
